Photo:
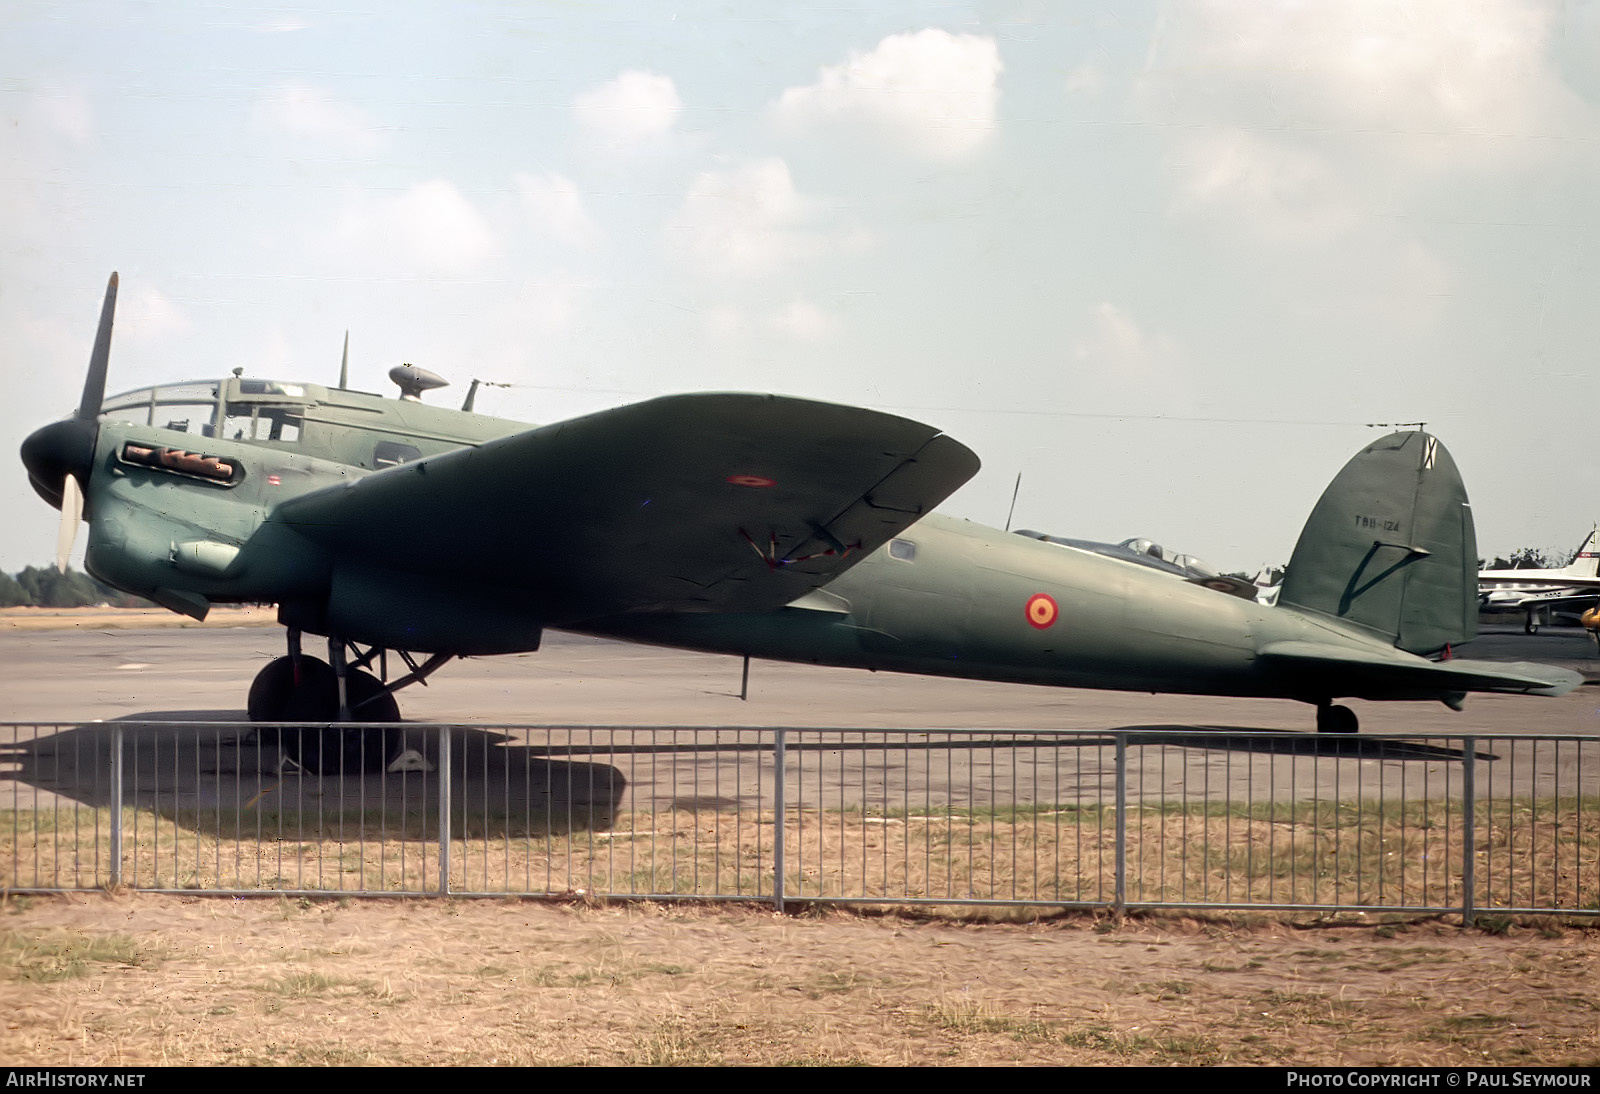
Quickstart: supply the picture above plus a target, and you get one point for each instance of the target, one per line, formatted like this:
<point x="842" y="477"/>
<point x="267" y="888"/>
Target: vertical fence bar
<point x="778" y="774"/>
<point x="1469" y="792"/>
<point x="1120" y="900"/>
<point x="116" y="805"/>
<point x="444" y="810"/>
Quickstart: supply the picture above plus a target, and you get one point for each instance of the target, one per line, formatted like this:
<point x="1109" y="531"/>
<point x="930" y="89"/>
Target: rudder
<point x="1391" y="547"/>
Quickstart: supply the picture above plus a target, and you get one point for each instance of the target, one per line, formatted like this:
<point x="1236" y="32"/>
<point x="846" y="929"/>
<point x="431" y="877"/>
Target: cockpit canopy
<point x="235" y="409"/>
<point x="1144" y="552"/>
<point x="1156" y="551"/>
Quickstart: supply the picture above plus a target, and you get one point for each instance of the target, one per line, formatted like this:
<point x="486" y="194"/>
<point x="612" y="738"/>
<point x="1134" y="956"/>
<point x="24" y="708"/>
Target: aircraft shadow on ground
<point x="1292" y="743"/>
<point x="212" y="775"/>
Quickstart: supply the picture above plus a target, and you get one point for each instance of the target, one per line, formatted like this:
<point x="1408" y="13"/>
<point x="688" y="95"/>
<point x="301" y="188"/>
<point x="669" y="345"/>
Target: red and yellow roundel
<point x="751" y="480"/>
<point x="1041" y="610"/>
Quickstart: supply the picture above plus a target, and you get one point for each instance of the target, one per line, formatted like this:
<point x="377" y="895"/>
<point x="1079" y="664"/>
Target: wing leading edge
<point x="720" y="502"/>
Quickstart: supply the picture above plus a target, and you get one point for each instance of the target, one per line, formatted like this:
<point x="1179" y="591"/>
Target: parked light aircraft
<point x="745" y="524"/>
<point x="1538" y="592"/>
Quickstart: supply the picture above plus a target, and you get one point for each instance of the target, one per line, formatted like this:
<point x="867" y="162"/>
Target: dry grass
<point x="278" y="980"/>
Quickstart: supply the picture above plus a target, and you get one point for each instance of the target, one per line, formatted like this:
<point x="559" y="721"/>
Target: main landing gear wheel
<point x="275" y="685"/>
<point x="276" y="696"/>
<point x="1336" y="719"/>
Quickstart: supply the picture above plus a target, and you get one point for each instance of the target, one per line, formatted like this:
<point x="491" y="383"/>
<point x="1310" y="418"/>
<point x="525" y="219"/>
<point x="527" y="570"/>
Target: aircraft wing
<point x="1346" y="672"/>
<point x="1553" y="581"/>
<point x="706" y="502"/>
<point x="1555" y="598"/>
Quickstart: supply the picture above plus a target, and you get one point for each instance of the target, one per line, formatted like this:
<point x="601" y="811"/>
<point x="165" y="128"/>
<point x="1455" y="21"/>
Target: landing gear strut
<point x="305" y="689"/>
<point x="1336" y="719"/>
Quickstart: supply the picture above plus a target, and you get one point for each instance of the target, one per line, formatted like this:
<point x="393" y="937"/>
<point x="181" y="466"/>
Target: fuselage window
<point x="186" y="417"/>
<point x="903" y="549"/>
<point x="283" y="425"/>
<point x="393" y="453"/>
<point x="245" y="422"/>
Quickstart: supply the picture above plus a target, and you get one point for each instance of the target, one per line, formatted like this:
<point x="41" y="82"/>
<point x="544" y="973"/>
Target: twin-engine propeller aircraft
<point x="744" y="524"/>
<point x="1538" y="592"/>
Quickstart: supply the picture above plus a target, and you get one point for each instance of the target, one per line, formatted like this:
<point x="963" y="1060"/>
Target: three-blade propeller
<point x="60" y="457"/>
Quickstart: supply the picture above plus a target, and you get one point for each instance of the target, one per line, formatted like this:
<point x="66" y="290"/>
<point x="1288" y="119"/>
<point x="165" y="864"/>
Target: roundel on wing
<point x="751" y="480"/>
<point x="1041" y="610"/>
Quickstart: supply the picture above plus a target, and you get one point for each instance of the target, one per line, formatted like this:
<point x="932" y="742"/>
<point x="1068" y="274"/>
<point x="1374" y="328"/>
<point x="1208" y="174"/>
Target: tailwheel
<point x="1336" y="719"/>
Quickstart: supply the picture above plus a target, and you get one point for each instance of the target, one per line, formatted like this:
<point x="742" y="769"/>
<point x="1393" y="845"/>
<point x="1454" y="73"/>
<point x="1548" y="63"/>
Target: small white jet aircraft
<point x="1537" y="591"/>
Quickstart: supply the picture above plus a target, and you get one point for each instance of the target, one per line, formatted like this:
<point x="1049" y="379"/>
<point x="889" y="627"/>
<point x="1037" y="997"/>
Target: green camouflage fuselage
<point x="961" y="607"/>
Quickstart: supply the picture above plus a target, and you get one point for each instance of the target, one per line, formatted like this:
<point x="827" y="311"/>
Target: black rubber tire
<point x="329" y="748"/>
<point x="273" y="688"/>
<point x="1337" y="719"/>
<point x="368" y="702"/>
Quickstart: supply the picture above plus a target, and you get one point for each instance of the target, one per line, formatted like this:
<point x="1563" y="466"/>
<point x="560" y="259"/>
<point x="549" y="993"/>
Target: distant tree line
<point x="1529" y="558"/>
<point x="47" y="587"/>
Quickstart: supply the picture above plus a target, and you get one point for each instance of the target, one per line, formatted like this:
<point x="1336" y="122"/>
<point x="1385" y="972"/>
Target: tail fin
<point x="1390" y="547"/>
<point x="1586" y="563"/>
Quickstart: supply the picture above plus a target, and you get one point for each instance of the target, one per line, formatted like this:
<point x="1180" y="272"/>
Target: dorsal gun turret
<point x="413" y="381"/>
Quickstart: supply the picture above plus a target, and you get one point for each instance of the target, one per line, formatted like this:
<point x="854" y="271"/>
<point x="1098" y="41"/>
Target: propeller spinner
<point x="60" y="457"/>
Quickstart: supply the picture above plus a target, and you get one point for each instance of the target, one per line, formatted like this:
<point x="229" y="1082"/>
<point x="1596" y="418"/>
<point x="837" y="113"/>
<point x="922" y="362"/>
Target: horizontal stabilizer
<point x="1344" y="672"/>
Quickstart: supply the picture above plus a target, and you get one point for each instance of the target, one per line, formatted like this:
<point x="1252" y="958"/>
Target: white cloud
<point x="1086" y="79"/>
<point x="1300" y="118"/>
<point x="1121" y="359"/>
<point x="746" y="220"/>
<point x="1475" y="66"/>
<point x="799" y="320"/>
<point x="309" y="113"/>
<point x="804" y="321"/>
<point x="430" y="229"/>
<point x="42" y="138"/>
<point x="548" y="306"/>
<point x="147" y="315"/>
<point x="637" y="108"/>
<point x="64" y="117"/>
<point x="1283" y="193"/>
<point x="286" y="24"/>
<point x="556" y="207"/>
<point x="934" y="90"/>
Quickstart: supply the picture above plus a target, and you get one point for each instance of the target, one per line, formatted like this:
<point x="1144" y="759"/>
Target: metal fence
<point x="1119" y="820"/>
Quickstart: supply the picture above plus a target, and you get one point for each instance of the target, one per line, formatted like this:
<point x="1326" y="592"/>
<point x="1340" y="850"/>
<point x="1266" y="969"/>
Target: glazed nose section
<point x="56" y="451"/>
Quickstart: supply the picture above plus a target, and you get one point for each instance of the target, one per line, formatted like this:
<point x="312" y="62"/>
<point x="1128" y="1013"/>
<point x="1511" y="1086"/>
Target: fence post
<point x="1120" y="899"/>
<point x="1469" y="818"/>
<point x="778" y="774"/>
<point x="116" y="805"/>
<point x="444" y="810"/>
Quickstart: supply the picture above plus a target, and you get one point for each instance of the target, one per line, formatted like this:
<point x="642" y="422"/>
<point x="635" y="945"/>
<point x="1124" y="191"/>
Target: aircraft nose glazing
<point x="55" y="451"/>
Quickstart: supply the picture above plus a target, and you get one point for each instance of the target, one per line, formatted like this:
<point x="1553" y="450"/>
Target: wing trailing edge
<point x="687" y="503"/>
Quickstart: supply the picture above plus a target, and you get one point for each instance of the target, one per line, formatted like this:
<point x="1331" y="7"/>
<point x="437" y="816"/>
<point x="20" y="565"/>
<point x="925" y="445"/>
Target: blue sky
<point x="1164" y="260"/>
